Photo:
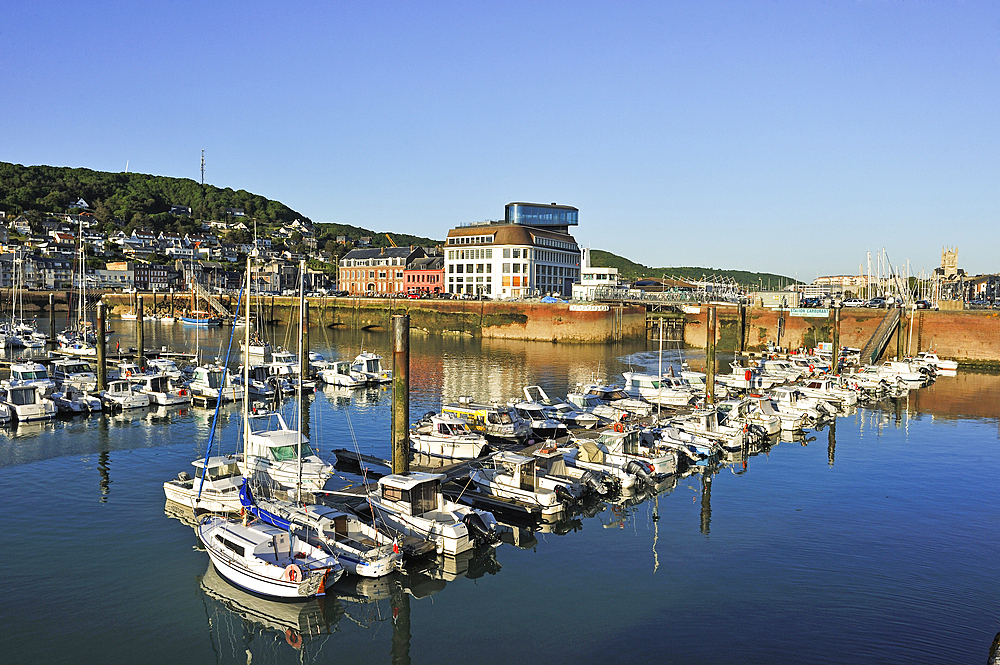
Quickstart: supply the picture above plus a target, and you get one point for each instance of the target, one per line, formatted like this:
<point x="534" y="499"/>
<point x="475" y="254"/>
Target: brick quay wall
<point x="972" y="337"/>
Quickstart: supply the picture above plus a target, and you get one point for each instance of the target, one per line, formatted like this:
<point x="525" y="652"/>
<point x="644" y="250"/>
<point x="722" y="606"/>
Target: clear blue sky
<point x="789" y="137"/>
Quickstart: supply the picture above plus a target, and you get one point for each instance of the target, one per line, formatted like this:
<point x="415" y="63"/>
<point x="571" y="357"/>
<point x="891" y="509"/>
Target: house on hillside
<point x="182" y="211"/>
<point x="79" y="205"/>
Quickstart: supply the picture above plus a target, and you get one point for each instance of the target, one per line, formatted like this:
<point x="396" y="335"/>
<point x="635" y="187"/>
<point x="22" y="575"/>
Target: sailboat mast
<point x="302" y="298"/>
<point x="246" y="371"/>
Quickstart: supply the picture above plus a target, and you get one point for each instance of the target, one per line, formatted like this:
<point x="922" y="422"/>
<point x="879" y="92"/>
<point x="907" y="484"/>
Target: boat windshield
<point x="28" y="375"/>
<point x="219" y="472"/>
<point x="22" y="397"/>
<point x="500" y="418"/>
<point x="287" y="453"/>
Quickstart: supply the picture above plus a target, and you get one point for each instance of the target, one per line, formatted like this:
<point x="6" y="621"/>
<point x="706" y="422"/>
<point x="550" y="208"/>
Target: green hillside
<point x="631" y="271"/>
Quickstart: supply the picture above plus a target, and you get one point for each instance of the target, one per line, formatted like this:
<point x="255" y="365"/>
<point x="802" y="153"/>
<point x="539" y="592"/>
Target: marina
<point x="815" y="537"/>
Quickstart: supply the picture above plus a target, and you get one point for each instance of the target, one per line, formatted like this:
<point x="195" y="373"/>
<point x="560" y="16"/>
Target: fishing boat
<point x="277" y="454"/>
<point x="497" y="422"/>
<point x="75" y="372"/>
<point x="550" y="463"/>
<point x="445" y="435"/>
<point x="27" y="403"/>
<point x="207" y="381"/>
<point x="507" y="475"/>
<point x="341" y="375"/>
<point x="29" y="373"/>
<point x="161" y="389"/>
<point x="121" y="394"/>
<point x="71" y="401"/>
<point x="414" y="504"/>
<point x="215" y="486"/>
<point x="370" y="365"/>
<point x="200" y="318"/>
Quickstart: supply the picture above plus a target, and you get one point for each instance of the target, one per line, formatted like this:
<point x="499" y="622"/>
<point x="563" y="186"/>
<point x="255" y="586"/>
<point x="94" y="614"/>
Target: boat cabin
<point x="22" y="396"/>
<point x="414" y="494"/>
<point x="271" y="438"/>
<point x="520" y="468"/>
<point x="30" y="373"/>
<point x="498" y="421"/>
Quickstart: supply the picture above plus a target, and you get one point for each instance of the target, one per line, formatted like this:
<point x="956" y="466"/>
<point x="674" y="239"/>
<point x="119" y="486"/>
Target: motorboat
<point x="341" y="375"/>
<point x="562" y="411"/>
<point x="162" y="389"/>
<point x="789" y="421"/>
<point x="900" y="370"/>
<point x="711" y="423"/>
<point x="623" y="447"/>
<point x="790" y="400"/>
<point x="121" y="394"/>
<point x="27" y="403"/>
<point x="931" y="358"/>
<point x="542" y="427"/>
<point x="207" y="381"/>
<point x="550" y="463"/>
<point x="200" y="318"/>
<point x="446" y="435"/>
<point x="784" y="368"/>
<point x="749" y="378"/>
<point x="215" y="486"/>
<point x="28" y="373"/>
<point x="273" y="457"/>
<point x="370" y="365"/>
<point x="164" y="366"/>
<point x="497" y="422"/>
<point x="508" y="475"/>
<point x="125" y="370"/>
<point x="71" y="401"/>
<point x="617" y="397"/>
<point x="829" y="390"/>
<point x="593" y="404"/>
<point x="745" y="412"/>
<point x="662" y="390"/>
<point x="73" y="371"/>
<point x="414" y="504"/>
<point x="267" y="560"/>
<point x="691" y="448"/>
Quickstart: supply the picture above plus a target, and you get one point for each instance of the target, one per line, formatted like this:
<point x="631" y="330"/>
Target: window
<point x="506" y="267"/>
<point x="517" y="267"/>
<point x="506" y="253"/>
<point x="479" y="267"/>
<point x="461" y="267"/>
<point x="517" y="253"/>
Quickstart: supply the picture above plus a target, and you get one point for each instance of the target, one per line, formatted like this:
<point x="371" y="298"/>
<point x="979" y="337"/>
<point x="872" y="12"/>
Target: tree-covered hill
<point x="631" y="271"/>
<point x="139" y="200"/>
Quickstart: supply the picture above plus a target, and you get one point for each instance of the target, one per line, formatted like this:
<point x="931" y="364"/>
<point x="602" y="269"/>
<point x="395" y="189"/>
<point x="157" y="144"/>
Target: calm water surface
<point x="873" y="541"/>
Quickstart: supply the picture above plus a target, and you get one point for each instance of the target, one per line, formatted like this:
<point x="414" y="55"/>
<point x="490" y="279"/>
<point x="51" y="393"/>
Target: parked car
<point x="854" y="302"/>
<point x="924" y="304"/>
<point x="877" y="302"/>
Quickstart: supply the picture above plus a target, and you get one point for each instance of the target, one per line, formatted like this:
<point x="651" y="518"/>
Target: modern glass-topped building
<point x="552" y="216"/>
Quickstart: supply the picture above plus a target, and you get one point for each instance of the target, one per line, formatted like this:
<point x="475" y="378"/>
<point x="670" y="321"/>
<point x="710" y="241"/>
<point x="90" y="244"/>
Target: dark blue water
<point x="875" y="542"/>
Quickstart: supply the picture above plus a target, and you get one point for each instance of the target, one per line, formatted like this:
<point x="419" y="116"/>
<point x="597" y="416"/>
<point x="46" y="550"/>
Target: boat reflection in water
<point x="242" y="624"/>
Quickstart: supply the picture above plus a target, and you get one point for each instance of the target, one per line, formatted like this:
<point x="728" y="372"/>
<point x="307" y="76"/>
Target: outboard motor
<point x="596" y="484"/>
<point x="474" y="523"/>
<point x="183" y="476"/>
<point x="565" y="495"/>
<point x="639" y="470"/>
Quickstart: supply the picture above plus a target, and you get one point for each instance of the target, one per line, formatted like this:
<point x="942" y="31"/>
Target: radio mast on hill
<point x="202" y="167"/>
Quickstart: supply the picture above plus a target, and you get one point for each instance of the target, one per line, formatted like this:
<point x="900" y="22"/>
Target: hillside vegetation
<point x="631" y="271"/>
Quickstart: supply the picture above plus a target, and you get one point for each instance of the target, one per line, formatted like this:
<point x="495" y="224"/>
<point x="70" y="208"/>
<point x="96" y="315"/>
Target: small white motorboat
<point x="121" y="394"/>
<point x="446" y="435"/>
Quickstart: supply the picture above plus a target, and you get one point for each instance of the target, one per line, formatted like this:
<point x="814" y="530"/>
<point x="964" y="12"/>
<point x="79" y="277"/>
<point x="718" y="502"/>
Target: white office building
<point x="528" y="254"/>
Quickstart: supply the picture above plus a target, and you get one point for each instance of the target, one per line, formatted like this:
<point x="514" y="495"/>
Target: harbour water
<point x="871" y="541"/>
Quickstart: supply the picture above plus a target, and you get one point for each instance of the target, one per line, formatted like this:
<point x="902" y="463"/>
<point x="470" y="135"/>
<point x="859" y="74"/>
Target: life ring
<point x="128" y="374"/>
<point x="293" y="638"/>
<point x="182" y="392"/>
<point x="292" y="573"/>
<point x="812" y="368"/>
<point x="619" y="427"/>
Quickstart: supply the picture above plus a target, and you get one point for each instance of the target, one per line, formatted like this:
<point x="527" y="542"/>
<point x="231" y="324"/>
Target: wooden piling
<point x="900" y="333"/>
<point x="741" y="336"/>
<point x="102" y="358"/>
<point x="835" y="365"/>
<point x="400" y="393"/>
<point x="52" y="317"/>
<point x="710" y="358"/>
<point x="140" y="338"/>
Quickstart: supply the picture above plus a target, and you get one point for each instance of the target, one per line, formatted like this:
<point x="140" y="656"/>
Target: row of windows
<point x="480" y="280"/>
<point x="432" y="278"/>
<point x="486" y="289"/>
<point x="470" y="267"/>
<point x="558" y="244"/>
<point x="469" y="254"/>
<point x="470" y="240"/>
<point x="373" y="262"/>
<point x="361" y="274"/>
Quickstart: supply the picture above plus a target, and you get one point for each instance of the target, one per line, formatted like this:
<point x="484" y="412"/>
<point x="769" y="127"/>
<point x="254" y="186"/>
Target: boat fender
<point x="293" y="638"/>
<point x="747" y="375"/>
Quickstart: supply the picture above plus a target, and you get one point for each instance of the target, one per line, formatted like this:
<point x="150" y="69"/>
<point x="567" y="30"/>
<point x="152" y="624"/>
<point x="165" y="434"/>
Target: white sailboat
<point x="268" y="558"/>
